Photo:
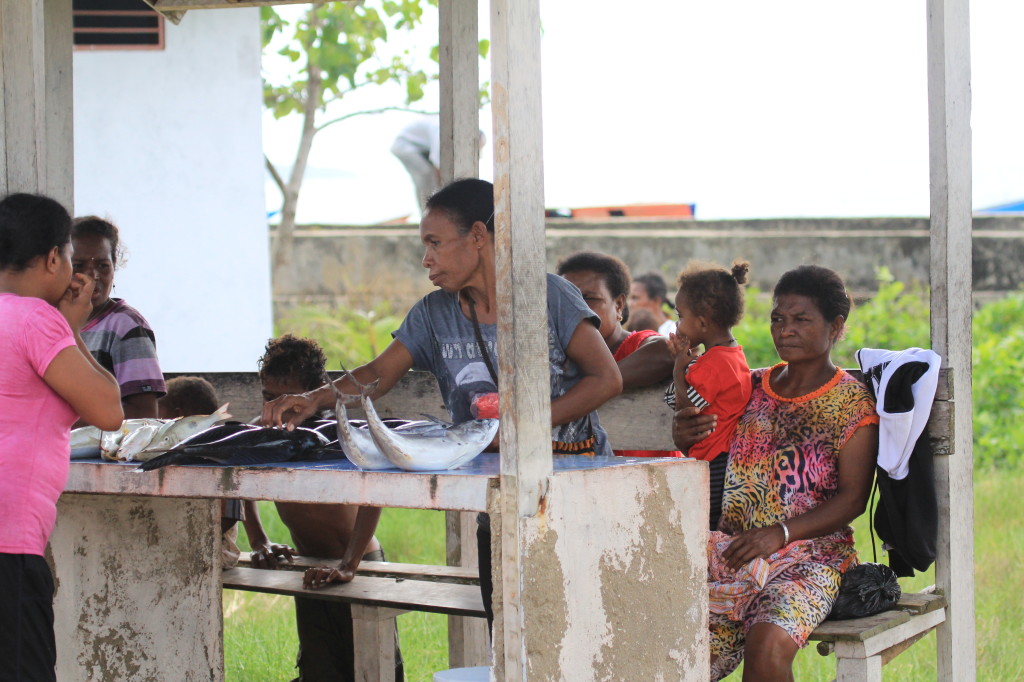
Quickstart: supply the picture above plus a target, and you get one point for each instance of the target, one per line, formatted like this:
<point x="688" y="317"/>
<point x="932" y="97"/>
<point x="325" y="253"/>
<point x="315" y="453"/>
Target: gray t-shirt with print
<point x="442" y="341"/>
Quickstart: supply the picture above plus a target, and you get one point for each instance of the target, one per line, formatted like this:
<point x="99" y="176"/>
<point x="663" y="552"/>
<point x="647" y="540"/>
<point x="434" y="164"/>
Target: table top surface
<point x="333" y="481"/>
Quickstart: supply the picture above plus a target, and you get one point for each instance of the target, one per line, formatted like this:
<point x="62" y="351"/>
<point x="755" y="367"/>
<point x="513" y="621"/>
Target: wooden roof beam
<point x="174" y="10"/>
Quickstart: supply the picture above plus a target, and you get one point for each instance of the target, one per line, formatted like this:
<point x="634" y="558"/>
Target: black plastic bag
<point x="866" y="589"/>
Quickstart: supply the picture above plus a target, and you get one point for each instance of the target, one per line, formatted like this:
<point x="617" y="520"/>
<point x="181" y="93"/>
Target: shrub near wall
<point x="998" y="361"/>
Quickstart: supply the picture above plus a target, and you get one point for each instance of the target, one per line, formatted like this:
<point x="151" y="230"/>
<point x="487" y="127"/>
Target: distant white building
<point x="168" y="147"/>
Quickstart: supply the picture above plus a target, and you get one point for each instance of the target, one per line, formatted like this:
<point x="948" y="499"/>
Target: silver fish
<point x="357" y="443"/>
<point x="136" y="442"/>
<point x="84" y="442"/>
<point x="434" y="448"/>
<point x="85" y="437"/>
<point x="111" y="442"/>
<point x="172" y="433"/>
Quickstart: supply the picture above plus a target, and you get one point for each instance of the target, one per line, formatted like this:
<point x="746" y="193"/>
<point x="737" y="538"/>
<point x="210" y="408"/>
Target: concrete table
<point x="137" y="560"/>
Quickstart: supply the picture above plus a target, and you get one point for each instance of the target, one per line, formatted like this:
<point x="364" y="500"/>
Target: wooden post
<point x="460" y="78"/>
<point x="460" y="158"/>
<point x="373" y="637"/>
<point x="36" y="143"/>
<point x="468" y="640"/>
<point x="526" y="464"/>
<point x="949" y="112"/>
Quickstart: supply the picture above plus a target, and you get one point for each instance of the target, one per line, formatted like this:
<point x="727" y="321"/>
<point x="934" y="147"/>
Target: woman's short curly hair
<point x="822" y="285"/>
<point x="713" y="292"/>
<point x="95" y="225"/>
<point x="614" y="272"/>
<point x="466" y="201"/>
<point x="291" y="357"/>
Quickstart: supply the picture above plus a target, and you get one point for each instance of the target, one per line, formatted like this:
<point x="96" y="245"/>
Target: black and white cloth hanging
<point x="907" y="516"/>
<point x="904" y="383"/>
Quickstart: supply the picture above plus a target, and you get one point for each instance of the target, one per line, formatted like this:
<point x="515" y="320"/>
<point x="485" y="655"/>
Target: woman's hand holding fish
<point x="270" y="554"/>
<point x="289" y="411"/>
<point x="76" y="303"/>
<point x="316" y="578"/>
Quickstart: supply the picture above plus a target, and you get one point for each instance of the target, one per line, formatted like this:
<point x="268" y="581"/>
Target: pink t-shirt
<point x="34" y="423"/>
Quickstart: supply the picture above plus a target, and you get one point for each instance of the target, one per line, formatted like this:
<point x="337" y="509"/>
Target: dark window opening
<point x="117" y="25"/>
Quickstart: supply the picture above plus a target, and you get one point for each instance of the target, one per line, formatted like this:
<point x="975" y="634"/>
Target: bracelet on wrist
<point x="785" y="533"/>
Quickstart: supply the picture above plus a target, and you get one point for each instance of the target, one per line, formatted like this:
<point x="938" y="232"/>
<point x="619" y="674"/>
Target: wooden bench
<point x="863" y="645"/>
<point x="380" y="592"/>
<point x="384" y="569"/>
<point x="634" y="420"/>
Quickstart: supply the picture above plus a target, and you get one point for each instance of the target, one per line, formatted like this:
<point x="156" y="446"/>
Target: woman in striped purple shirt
<point x="116" y="334"/>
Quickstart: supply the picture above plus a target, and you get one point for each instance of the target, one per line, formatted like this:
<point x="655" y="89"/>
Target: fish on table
<point x="139" y="439"/>
<point x="89" y="441"/>
<point x="84" y="442"/>
<point x="433" y="446"/>
<point x="136" y="442"/>
<point x="180" y="429"/>
<point x="242" y="444"/>
<point x="133" y="435"/>
<point x="357" y="444"/>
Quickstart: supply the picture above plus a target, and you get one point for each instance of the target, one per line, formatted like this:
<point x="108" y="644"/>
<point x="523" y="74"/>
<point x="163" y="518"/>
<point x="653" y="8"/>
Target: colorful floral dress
<point x="784" y="462"/>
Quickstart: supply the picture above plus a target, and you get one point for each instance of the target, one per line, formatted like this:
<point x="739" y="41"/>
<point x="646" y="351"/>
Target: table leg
<point x="138" y="588"/>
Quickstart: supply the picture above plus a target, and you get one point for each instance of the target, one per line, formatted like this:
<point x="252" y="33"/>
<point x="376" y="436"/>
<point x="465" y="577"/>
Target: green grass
<point x="259" y="630"/>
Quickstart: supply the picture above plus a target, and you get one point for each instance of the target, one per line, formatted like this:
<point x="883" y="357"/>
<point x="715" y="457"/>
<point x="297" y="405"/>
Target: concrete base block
<point x="138" y="589"/>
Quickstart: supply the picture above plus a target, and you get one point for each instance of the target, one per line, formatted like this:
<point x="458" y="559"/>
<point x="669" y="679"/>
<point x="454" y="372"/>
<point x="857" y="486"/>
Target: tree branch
<point x="278" y="180"/>
<point x="372" y="111"/>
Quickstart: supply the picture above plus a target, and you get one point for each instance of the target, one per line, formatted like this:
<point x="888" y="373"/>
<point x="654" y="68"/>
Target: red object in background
<point x="627" y="211"/>
<point x="485" y="406"/>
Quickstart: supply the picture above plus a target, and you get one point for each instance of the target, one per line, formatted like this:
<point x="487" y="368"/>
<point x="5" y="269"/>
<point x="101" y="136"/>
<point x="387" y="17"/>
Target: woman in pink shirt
<point x="47" y="379"/>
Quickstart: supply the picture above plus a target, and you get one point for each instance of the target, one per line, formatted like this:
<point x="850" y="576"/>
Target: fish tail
<point x="364" y="389"/>
<point x="369" y="389"/>
<point x="222" y="412"/>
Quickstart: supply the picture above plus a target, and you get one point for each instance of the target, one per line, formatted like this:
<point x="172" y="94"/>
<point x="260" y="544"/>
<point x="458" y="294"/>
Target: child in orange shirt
<point x="710" y="303"/>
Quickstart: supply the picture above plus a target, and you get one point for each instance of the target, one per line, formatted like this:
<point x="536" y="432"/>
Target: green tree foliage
<point x="334" y="48"/>
<point x="349" y="337"/>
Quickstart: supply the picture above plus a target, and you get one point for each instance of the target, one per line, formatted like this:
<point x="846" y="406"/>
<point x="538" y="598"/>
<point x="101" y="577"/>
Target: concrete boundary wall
<point x="362" y="266"/>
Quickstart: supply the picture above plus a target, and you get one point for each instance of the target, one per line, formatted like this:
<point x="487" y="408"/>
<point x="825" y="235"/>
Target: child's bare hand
<point x="679" y="346"/>
<point x="269" y="555"/>
<point x="315" y="578"/>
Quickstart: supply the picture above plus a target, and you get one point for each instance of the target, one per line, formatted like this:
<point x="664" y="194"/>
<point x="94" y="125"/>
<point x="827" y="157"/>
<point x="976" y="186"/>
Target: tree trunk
<point x="284" y="244"/>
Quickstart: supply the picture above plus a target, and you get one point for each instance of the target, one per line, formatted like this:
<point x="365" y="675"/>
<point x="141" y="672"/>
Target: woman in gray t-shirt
<point x="439" y="335"/>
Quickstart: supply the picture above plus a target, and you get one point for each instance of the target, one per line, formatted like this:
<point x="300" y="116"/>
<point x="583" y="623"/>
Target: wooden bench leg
<point x="373" y="638"/>
<point x="468" y="641"/>
<point x="853" y="665"/>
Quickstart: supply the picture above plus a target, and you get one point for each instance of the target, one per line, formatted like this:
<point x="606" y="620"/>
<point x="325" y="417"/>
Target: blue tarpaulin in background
<point x="1012" y="207"/>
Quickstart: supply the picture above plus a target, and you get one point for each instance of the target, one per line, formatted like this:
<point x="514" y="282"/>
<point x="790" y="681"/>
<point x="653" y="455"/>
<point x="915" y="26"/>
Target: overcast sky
<point x="747" y="108"/>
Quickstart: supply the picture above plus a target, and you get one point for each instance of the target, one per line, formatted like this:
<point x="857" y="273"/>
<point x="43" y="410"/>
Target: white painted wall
<point x="168" y="147"/>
